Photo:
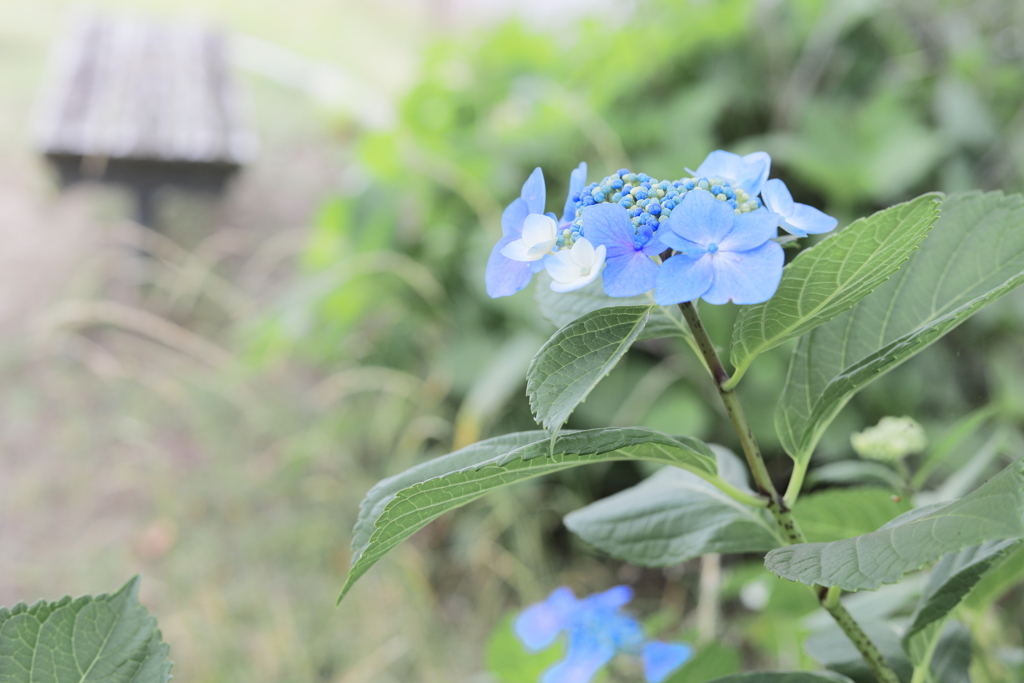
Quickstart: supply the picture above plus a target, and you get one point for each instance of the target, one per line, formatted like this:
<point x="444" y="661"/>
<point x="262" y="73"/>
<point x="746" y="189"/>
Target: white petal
<point x="583" y="279"/>
<point x="518" y="251"/>
<point x="583" y="253"/>
<point x="538" y="229"/>
<point x="561" y="267"/>
<point x="538" y="250"/>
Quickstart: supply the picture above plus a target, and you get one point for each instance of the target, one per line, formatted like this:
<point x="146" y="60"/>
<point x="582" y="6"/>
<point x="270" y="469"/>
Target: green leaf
<point x="577" y="357"/>
<point x="562" y="309"/>
<point x="509" y="662"/>
<point x="398" y="506"/>
<point x="846" y="472"/>
<point x="711" y="661"/>
<point x="784" y="677"/>
<point x="992" y="512"/>
<point x="108" y="638"/>
<point x="974" y="255"/>
<point x="674" y="516"/>
<point x="952" y="578"/>
<point x="842" y="513"/>
<point x="952" y="660"/>
<point x="830" y="277"/>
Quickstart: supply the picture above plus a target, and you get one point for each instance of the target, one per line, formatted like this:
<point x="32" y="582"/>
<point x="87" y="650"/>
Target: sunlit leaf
<point x="832" y="276"/>
<point x="974" y="255"/>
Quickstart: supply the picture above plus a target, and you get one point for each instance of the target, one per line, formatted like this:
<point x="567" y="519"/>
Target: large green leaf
<point x="397" y="507"/>
<point x="832" y="276"/>
<point x="995" y="511"/>
<point x="974" y="255"/>
<point x="784" y="677"/>
<point x="674" y="516"/>
<point x="950" y="581"/>
<point x="562" y="308"/>
<point x="842" y="513"/>
<point x="108" y="638"/>
<point x="577" y="357"/>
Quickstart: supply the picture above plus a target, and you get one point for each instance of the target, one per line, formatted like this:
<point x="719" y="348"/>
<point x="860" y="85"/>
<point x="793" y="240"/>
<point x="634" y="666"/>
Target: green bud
<point x="893" y="438"/>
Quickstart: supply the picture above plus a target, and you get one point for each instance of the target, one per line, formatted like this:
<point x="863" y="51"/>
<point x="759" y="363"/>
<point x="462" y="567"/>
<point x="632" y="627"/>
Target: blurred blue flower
<point x="747" y="173"/>
<point x="630" y="270"/>
<point x="505" y="276"/>
<point x="722" y="255"/>
<point x="597" y="630"/>
<point x="798" y="219"/>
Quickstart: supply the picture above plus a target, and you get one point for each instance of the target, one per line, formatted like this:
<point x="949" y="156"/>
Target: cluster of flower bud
<point x="649" y="201"/>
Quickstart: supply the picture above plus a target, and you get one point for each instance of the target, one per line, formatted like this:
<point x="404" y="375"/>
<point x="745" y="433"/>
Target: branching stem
<point x="777" y="505"/>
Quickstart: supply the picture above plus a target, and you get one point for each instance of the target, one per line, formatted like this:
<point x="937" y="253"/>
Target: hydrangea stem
<point x="829" y="598"/>
<point x="782" y="514"/>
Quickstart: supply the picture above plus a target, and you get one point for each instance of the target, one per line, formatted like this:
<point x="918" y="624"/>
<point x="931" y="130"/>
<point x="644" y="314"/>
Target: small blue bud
<point x="717" y="189"/>
<point x="636" y="222"/>
<point x="668" y="206"/>
<point x="640" y="194"/>
<point x="712" y="248"/>
<point x="617" y="196"/>
<point x="648" y="218"/>
<point x="588" y="201"/>
<point x="688" y="184"/>
<point x="654" y="208"/>
<point x="703" y="184"/>
<point x="617" y="184"/>
<point x="664" y="185"/>
<point x="730" y="193"/>
<point x="626" y="201"/>
<point x="637" y="211"/>
<point x="630" y="177"/>
<point x="623" y="172"/>
<point x="575" y="196"/>
<point x="643" y="177"/>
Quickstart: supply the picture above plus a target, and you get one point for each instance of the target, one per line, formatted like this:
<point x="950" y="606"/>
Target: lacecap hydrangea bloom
<point x="596" y="630"/>
<point x="709" y="236"/>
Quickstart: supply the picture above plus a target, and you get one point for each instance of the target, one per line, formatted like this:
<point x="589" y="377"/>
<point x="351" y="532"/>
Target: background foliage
<point x="350" y="350"/>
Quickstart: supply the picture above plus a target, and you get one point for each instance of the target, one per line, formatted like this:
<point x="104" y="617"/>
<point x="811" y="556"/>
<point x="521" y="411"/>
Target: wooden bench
<point x="142" y="104"/>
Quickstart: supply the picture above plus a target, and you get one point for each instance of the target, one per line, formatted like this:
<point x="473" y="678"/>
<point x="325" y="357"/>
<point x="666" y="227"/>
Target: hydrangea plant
<point x="633" y="257"/>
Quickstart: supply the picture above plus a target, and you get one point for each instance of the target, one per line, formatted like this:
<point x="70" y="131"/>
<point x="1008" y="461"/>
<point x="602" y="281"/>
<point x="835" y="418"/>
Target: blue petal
<point x="669" y="239"/>
<point x="751" y="230"/>
<point x="533" y="191"/>
<point x="748" y="173"/>
<point x="577" y="179"/>
<point x="629" y="274"/>
<point x="776" y="197"/>
<point x="512" y="219"/>
<point x="612" y="598"/>
<point x="682" y="278"/>
<point x="584" y="658"/>
<point x="661" y="659"/>
<point x="504" y="276"/>
<point x="538" y="625"/>
<point x="700" y="218"/>
<point x="609" y="225"/>
<point x="746" y="277"/>
<point x="808" y="220"/>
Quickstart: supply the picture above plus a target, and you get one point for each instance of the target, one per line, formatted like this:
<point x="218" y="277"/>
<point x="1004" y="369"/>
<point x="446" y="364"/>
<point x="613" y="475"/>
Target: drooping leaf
<point x="846" y="472"/>
<point x="674" y="516"/>
<point x="108" y="638"/>
<point x="562" y="309"/>
<point x="843" y="513"/>
<point x="952" y="578"/>
<point x="995" y="511"/>
<point x="577" y="357"/>
<point x="398" y="506"/>
<point x="974" y="255"/>
<point x="832" y="276"/>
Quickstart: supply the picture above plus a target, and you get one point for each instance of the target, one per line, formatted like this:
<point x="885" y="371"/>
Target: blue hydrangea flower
<point x="747" y="173"/>
<point x="505" y="276"/>
<point x="798" y="219"/>
<point x="630" y="270"/>
<point x="722" y="255"/>
<point x="596" y="631"/>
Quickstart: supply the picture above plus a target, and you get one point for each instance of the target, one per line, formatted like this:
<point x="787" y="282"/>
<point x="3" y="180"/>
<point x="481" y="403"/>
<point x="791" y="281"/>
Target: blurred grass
<point x="211" y="416"/>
